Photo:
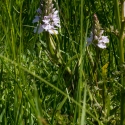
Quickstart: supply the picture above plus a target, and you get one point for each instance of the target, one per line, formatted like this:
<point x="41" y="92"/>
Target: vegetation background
<point x="79" y="84"/>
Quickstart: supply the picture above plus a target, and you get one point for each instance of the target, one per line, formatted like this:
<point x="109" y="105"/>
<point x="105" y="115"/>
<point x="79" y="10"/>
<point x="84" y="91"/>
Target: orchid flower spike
<point x="96" y="36"/>
<point x="47" y="18"/>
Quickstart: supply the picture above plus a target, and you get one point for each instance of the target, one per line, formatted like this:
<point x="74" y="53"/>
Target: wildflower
<point x="102" y="42"/>
<point x="99" y="41"/>
<point x="48" y="22"/>
<point x="96" y="37"/>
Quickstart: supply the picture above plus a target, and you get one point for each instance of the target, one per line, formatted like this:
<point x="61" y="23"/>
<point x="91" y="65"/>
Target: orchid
<point x="50" y="22"/>
<point x="96" y="36"/>
<point x="100" y="41"/>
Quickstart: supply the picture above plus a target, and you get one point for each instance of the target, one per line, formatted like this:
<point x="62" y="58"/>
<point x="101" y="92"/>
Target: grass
<point x="56" y="79"/>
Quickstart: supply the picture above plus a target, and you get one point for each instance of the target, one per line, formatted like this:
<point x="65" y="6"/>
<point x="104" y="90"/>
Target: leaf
<point x="62" y="103"/>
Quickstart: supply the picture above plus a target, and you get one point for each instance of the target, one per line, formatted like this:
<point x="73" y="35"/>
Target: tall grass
<point x="57" y="79"/>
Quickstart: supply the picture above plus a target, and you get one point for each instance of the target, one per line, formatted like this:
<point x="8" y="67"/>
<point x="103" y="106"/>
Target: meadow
<point x="62" y="62"/>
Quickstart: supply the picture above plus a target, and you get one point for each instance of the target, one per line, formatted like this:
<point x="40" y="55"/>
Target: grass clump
<point x="69" y="70"/>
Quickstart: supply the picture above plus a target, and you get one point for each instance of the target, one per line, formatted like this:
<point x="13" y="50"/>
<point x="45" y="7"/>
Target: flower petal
<point x="90" y="39"/>
<point x="101" y="45"/>
<point x="52" y="31"/>
<point x="39" y="11"/>
<point x="36" y="19"/>
<point x="46" y="21"/>
<point x="105" y="39"/>
<point x="38" y="29"/>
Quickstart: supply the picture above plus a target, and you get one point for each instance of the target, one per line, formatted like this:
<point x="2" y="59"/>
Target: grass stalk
<point x="121" y="53"/>
<point x="84" y="107"/>
<point x="80" y="82"/>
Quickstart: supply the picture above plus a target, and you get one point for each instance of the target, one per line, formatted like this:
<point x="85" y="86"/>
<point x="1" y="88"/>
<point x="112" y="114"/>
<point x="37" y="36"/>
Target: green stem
<point x="121" y="25"/>
<point x="121" y="53"/>
<point x="117" y="14"/>
<point x="77" y="113"/>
